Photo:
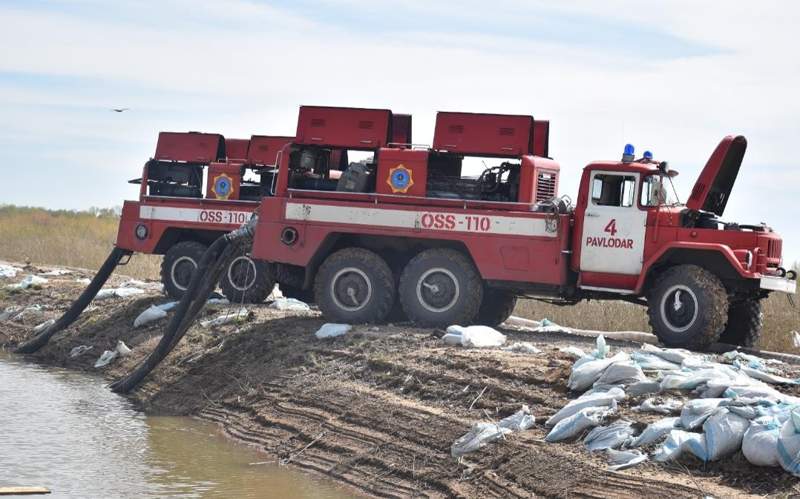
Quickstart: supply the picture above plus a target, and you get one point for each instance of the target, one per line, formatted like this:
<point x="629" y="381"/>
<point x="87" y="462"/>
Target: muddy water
<point x="67" y="432"/>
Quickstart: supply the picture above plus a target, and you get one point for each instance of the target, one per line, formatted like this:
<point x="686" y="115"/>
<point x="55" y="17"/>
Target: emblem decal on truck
<point x="222" y="186"/>
<point x="400" y="179"/>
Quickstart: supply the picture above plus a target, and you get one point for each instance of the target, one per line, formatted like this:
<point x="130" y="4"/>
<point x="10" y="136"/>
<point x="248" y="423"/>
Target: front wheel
<point x="496" y="307"/>
<point x="246" y="280"/>
<point x="688" y="307"/>
<point x="354" y="286"/>
<point x="439" y="288"/>
<point x="745" y="321"/>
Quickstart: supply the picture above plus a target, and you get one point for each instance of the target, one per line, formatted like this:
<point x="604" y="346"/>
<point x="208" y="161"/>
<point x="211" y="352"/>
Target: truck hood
<point x="713" y="186"/>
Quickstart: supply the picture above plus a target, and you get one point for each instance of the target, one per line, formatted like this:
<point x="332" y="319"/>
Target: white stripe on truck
<point x="421" y="220"/>
<point x="205" y="216"/>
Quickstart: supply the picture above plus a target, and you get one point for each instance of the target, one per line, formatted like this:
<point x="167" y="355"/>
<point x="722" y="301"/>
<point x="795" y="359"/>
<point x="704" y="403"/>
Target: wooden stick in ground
<point x="476" y="398"/>
<point x="288" y="460"/>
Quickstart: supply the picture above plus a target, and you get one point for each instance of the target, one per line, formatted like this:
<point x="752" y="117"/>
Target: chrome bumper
<point x="781" y="284"/>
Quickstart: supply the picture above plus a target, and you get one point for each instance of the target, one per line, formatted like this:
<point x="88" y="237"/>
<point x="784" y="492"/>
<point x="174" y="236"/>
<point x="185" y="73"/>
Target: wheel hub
<point x="242" y="273"/>
<point x="182" y="271"/>
<point x="351" y="289"/>
<point x="679" y="308"/>
<point x="438" y="290"/>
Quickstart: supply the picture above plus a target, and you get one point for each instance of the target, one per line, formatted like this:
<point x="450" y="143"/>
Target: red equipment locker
<point x="496" y="135"/>
<point x="264" y="149"/>
<point x="541" y="138"/>
<point x="401" y="129"/>
<point x="236" y="149"/>
<point x="191" y="147"/>
<point x="224" y="180"/>
<point x="350" y="128"/>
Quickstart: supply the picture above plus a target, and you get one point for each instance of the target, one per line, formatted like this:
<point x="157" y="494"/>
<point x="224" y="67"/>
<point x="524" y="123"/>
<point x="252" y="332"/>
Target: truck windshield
<point x="658" y="190"/>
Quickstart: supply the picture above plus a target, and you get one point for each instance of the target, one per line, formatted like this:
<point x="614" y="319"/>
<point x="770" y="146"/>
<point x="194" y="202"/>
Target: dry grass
<point x="780" y="318"/>
<point x="75" y="239"/>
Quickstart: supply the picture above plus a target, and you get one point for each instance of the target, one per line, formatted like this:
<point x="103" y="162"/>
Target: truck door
<point x="613" y="226"/>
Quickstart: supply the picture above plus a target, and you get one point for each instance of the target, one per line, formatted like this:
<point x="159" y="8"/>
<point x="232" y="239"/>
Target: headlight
<point x="141" y="231"/>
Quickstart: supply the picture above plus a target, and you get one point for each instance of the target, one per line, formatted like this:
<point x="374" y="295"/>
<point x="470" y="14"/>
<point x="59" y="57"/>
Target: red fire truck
<point x="199" y="186"/>
<point x="410" y="227"/>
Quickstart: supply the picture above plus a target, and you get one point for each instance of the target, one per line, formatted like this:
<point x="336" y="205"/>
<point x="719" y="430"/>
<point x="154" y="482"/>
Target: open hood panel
<point x="713" y="186"/>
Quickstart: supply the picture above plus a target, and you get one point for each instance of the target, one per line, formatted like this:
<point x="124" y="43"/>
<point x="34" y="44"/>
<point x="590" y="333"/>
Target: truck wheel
<point x="496" y="307"/>
<point x="246" y="280"/>
<point x="178" y="265"/>
<point x="688" y="307"/>
<point x="745" y="321"/>
<point x="440" y="287"/>
<point x="354" y="286"/>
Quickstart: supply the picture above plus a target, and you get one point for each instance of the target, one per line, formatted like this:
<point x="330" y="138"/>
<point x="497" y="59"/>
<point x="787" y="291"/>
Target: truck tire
<point x="745" y="321"/>
<point x="440" y="287"/>
<point x="354" y="286"/>
<point x="496" y="307"/>
<point x="688" y="307"/>
<point x="178" y="265"/>
<point x="246" y="280"/>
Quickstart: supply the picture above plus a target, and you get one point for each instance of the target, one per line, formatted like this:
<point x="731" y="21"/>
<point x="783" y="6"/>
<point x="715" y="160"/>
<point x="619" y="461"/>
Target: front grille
<point x="774" y="248"/>
<point x="545" y="186"/>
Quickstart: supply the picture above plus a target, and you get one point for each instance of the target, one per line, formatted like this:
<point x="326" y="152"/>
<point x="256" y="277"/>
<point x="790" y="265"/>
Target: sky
<point x="672" y="77"/>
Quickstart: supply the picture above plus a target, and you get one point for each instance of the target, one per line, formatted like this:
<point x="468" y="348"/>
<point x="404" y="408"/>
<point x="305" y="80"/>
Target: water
<point x="66" y="431"/>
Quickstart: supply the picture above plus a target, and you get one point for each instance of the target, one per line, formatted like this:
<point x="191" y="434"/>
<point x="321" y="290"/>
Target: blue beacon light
<point x="648" y="156"/>
<point x="628" y="153"/>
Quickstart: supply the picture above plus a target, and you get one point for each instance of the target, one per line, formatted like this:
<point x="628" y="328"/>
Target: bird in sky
<point x="120" y="109"/>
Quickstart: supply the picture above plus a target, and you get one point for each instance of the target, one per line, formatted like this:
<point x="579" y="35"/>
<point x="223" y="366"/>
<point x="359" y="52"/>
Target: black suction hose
<point x="204" y="280"/>
<point x="78" y="306"/>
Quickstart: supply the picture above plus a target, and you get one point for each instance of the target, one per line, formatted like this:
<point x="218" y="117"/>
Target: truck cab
<point x="632" y="235"/>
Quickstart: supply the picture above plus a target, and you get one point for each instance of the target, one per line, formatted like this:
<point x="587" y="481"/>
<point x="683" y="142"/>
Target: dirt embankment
<point x="377" y="408"/>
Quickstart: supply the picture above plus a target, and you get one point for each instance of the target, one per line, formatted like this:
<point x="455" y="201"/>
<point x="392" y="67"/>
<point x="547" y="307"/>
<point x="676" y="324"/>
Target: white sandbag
<point x="56" y="272"/>
<point x="621" y="373"/>
<point x="789" y="444"/>
<point x="276" y="293"/>
<point x="623" y="459"/>
<point x="796" y="339"/>
<point x="656" y="431"/>
<point x="689" y="380"/>
<point x="751" y="361"/>
<point x="478" y="336"/>
<point x="107" y="293"/>
<point x="599" y="399"/>
<point x="519" y="421"/>
<point x="28" y="282"/>
<point x="680" y="441"/>
<point x="643" y="388"/>
<point x="44" y="325"/>
<point x="601" y="350"/>
<point x="134" y="283"/>
<point x="79" y="350"/>
<point x="83" y="280"/>
<point x="767" y="377"/>
<point x="695" y="412"/>
<point x="122" y="349"/>
<point x="289" y="305"/>
<point x="218" y="301"/>
<point x="651" y="362"/>
<point x="660" y="406"/>
<point x="331" y="330"/>
<point x="106" y="358"/>
<point x="578" y="422"/>
<point x="522" y="347"/>
<point x="478" y="437"/>
<point x="760" y="442"/>
<point x="452" y="339"/>
<point x="573" y="352"/>
<point x="612" y="436"/>
<point x="724" y="431"/>
<point x="674" y="355"/>
<point x="9" y="271"/>
<point x="152" y="313"/>
<point x="759" y="390"/>
<point x="226" y="318"/>
<point x="585" y="373"/>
